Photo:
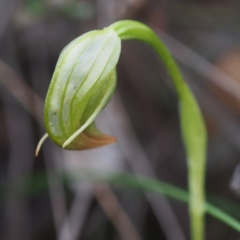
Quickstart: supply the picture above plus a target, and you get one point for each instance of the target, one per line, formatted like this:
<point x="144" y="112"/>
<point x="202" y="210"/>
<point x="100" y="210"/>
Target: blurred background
<point x="204" y="38"/>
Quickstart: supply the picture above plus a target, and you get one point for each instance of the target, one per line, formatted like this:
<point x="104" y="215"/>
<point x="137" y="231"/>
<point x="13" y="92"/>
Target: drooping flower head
<point x="82" y="84"/>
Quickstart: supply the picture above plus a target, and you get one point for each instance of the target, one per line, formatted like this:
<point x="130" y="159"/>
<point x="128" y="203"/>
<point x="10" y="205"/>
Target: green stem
<point x="192" y="124"/>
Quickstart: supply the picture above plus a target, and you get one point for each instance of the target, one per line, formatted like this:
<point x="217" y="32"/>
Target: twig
<point x="73" y="224"/>
<point x="52" y="157"/>
<point x="21" y="92"/>
<point x="132" y="150"/>
<point x="115" y="212"/>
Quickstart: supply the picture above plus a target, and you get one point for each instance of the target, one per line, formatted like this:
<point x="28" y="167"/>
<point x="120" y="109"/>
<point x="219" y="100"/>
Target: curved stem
<point x="192" y="124"/>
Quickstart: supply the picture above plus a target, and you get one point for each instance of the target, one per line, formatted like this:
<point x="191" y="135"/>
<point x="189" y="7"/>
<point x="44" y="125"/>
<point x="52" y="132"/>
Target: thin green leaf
<point x="34" y="185"/>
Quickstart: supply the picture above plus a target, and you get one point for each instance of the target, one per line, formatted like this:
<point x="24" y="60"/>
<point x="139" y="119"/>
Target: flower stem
<point x="192" y="124"/>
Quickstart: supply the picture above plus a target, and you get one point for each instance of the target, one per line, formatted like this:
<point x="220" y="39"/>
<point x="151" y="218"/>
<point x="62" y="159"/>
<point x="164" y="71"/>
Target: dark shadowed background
<point x="203" y="36"/>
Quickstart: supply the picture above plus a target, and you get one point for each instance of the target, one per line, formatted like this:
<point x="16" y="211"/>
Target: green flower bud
<point x="82" y="84"/>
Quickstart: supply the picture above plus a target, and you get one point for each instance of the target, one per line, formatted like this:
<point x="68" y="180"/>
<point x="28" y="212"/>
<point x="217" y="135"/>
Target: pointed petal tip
<point x="106" y="139"/>
<point x="89" y="141"/>
<point x="44" y="137"/>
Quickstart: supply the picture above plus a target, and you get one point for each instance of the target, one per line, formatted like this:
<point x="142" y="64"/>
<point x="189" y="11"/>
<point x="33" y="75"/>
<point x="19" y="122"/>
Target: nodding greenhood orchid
<point x="83" y="83"/>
